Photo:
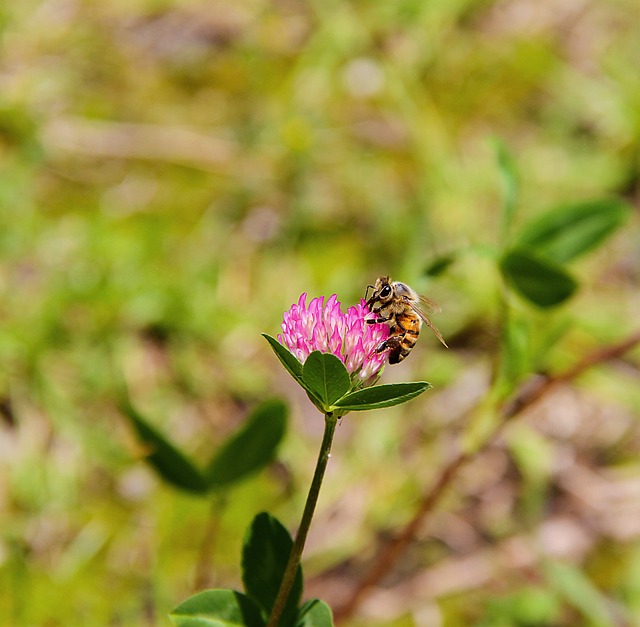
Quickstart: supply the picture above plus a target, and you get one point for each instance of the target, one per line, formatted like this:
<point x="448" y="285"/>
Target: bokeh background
<point x="173" y="175"/>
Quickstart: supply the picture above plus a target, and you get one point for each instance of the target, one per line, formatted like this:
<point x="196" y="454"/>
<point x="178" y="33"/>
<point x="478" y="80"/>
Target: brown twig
<point x="528" y="394"/>
<point x="536" y="387"/>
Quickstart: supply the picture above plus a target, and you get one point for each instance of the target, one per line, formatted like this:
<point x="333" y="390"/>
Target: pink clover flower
<point x="321" y="326"/>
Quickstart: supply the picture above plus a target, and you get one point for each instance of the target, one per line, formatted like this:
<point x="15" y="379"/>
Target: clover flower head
<point x="321" y="326"/>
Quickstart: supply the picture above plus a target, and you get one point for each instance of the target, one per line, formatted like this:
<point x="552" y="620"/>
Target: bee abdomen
<point x="411" y="330"/>
<point x="399" y="353"/>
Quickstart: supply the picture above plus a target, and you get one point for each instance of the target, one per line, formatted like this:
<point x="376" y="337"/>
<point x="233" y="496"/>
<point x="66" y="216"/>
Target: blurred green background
<point x="174" y="174"/>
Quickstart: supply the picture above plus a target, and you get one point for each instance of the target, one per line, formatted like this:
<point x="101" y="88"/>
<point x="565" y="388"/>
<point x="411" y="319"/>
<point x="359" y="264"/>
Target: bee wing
<point x="428" y="304"/>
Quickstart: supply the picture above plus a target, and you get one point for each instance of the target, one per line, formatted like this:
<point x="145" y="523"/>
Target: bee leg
<point x="381" y="347"/>
<point x="377" y="320"/>
<point x="391" y="343"/>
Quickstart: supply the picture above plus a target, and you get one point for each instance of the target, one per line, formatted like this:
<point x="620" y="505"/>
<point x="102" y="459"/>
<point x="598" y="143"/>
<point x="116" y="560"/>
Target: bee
<point x="397" y="305"/>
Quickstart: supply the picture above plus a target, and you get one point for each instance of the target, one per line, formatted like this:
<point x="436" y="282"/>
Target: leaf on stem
<point x="326" y="377"/>
<point x="217" y="608"/>
<point x="265" y="553"/>
<point x="564" y="233"/>
<point x="380" y="396"/>
<point x="314" y="613"/>
<point x="170" y="463"/>
<point x="540" y="281"/>
<point x="250" y="448"/>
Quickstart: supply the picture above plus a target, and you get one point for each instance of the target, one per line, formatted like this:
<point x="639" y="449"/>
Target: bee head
<point x="382" y="290"/>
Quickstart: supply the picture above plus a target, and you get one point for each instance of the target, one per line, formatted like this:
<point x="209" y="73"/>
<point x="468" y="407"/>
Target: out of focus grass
<point x="174" y="174"/>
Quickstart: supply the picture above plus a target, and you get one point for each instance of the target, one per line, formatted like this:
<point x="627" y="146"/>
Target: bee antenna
<point x="366" y="293"/>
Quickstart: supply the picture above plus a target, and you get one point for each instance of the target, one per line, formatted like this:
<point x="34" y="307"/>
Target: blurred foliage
<point x="174" y="174"/>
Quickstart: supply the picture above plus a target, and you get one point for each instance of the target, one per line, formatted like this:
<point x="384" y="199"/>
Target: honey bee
<point x="397" y="305"/>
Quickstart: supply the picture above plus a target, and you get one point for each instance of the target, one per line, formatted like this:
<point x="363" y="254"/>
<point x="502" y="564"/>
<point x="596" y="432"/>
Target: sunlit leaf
<point x="326" y="377"/>
<point x="252" y="447"/>
<point x="528" y="606"/>
<point x="509" y="177"/>
<point x="265" y="552"/>
<point x="380" y="396"/>
<point x="532" y="455"/>
<point x="217" y="608"/>
<point x="567" y="232"/>
<point x="480" y="425"/>
<point x="541" y="282"/>
<point x="314" y="613"/>
<point x="580" y="592"/>
<point x="171" y="464"/>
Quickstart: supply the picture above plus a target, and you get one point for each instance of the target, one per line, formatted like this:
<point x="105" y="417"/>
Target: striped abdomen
<point x="406" y="327"/>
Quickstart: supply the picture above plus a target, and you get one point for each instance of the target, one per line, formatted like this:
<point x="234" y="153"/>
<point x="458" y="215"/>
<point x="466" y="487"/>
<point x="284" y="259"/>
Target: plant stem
<point x="289" y="576"/>
<point x="203" y="566"/>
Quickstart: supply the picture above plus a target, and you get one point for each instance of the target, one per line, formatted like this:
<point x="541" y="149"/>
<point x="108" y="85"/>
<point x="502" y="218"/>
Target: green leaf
<point x="217" y="608"/>
<point x="380" y="396"/>
<point x="265" y="552"/>
<point x="526" y="606"/>
<point x="287" y="359"/>
<point x="314" y="613"/>
<point x="480" y="426"/>
<point x="440" y="264"/>
<point x="541" y="282"/>
<point x="515" y="341"/>
<point x="509" y="177"/>
<point x="172" y="465"/>
<point x="326" y="377"/>
<point x="531" y="453"/>
<point x="250" y="448"/>
<point x="567" y="232"/>
<point x="580" y="592"/>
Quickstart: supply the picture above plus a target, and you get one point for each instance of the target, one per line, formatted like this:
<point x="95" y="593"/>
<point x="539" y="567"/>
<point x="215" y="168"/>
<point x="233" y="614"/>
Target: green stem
<point x="203" y="565"/>
<point x="289" y="576"/>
